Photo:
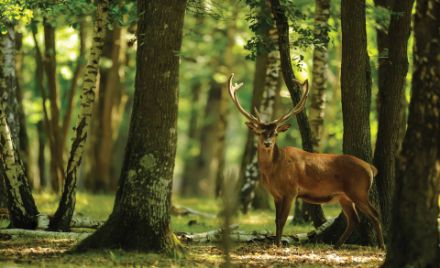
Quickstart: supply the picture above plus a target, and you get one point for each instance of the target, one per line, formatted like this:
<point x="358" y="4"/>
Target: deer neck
<point x="267" y="158"/>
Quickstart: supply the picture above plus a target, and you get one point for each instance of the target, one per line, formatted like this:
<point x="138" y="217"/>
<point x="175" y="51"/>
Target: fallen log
<point x="15" y="233"/>
<point x="184" y="211"/>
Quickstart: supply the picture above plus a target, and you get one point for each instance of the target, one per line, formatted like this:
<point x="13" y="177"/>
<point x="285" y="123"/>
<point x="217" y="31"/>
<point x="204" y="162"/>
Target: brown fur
<point x="317" y="178"/>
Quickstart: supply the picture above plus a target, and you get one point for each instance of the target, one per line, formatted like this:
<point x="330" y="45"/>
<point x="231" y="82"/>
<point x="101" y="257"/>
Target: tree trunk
<point x="414" y="236"/>
<point x="206" y="163"/>
<point x="63" y="216"/>
<point x="141" y="216"/>
<point x="311" y="212"/>
<point x="101" y="142"/>
<point x="23" y="141"/>
<point x="228" y="63"/>
<point x="49" y="61"/>
<point x="249" y="174"/>
<point x="289" y="78"/>
<point x="43" y="126"/>
<point x="193" y="144"/>
<point x="267" y="108"/>
<point x="21" y="204"/>
<point x="393" y="67"/>
<point x="356" y="95"/>
<point x="193" y="138"/>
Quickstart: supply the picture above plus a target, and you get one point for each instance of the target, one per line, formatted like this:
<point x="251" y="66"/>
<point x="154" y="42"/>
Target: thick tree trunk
<point x="141" y="216"/>
<point x="289" y="78"/>
<point x="57" y="163"/>
<point x="21" y="204"/>
<point x="393" y="67"/>
<point x="414" y="236"/>
<point x="101" y="142"/>
<point x="356" y="94"/>
<point x="63" y="215"/>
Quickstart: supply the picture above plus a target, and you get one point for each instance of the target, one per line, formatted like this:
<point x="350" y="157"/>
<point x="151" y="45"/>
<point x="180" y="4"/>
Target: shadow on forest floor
<point x="25" y="251"/>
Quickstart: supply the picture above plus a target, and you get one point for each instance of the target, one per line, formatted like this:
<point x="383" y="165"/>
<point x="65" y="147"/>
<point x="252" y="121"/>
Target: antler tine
<point x="233" y="88"/>
<point x="299" y="106"/>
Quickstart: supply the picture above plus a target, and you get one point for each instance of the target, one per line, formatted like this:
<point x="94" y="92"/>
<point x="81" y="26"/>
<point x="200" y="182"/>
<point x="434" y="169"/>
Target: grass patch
<point x="26" y="252"/>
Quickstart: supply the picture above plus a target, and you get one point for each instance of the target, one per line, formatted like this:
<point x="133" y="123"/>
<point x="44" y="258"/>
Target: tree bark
<point x="249" y="174"/>
<point x="282" y="26"/>
<point x="141" y="216"/>
<point x="356" y="94"/>
<point x="21" y="204"/>
<point x="228" y="63"/>
<point x="414" y="233"/>
<point x="49" y="61"/>
<point x="393" y="67"/>
<point x="193" y="138"/>
<point x="63" y="216"/>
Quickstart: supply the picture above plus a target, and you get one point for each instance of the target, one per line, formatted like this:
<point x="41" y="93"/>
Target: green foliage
<point x="305" y="33"/>
<point x="13" y="12"/>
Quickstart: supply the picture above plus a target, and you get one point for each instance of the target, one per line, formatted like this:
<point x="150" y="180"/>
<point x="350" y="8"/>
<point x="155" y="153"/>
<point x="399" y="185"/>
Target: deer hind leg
<point x="373" y="216"/>
<point x="351" y="218"/>
<point x="283" y="211"/>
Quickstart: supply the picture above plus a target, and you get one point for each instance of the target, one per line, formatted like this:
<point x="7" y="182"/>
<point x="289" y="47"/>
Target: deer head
<point x="267" y="131"/>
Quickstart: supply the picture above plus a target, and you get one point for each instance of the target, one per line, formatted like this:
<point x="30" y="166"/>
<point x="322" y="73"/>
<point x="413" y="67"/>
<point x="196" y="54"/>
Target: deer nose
<point x="267" y="143"/>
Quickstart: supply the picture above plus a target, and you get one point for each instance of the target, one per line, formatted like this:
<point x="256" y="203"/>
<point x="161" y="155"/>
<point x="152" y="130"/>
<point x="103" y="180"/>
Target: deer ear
<point x="283" y="128"/>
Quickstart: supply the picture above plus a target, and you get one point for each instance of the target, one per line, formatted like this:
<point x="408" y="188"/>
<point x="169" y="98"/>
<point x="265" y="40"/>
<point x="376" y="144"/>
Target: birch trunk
<point x="21" y="204"/>
<point x="63" y="216"/>
<point x="141" y="216"/>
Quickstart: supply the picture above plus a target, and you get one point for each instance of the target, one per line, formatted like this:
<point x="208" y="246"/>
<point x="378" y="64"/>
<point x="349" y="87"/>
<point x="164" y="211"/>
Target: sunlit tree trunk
<point x="140" y="219"/>
<point x="414" y="237"/>
<point x="63" y="215"/>
<point x="21" y="204"/>
<point x="393" y="67"/>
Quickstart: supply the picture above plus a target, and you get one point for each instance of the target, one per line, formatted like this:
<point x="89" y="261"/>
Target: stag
<point x="288" y="173"/>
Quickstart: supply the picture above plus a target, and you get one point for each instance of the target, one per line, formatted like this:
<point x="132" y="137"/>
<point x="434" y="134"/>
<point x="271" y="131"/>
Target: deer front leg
<point x="282" y="214"/>
<point x="278" y="207"/>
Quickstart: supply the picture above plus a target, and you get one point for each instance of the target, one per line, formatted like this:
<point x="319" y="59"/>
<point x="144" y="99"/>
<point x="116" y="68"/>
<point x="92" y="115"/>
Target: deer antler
<point x="233" y="88"/>
<point x="299" y="106"/>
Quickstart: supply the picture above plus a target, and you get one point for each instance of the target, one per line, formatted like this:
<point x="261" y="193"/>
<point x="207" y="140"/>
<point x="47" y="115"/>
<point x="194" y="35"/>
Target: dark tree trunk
<point x="21" y="204"/>
<point x="356" y="98"/>
<point x="193" y="139"/>
<point x="249" y="174"/>
<point x="414" y="236"/>
<point x="140" y="219"/>
<point x="289" y="78"/>
<point x="49" y="61"/>
<point x="63" y="216"/>
<point x="393" y="67"/>
<point x="41" y="158"/>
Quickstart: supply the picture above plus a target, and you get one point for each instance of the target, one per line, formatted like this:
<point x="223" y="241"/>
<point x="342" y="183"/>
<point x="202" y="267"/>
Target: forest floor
<point x="51" y="252"/>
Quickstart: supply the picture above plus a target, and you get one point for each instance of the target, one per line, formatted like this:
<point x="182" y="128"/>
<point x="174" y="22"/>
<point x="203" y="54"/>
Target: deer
<point x="289" y="173"/>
